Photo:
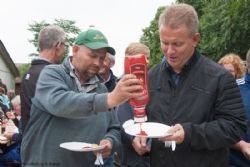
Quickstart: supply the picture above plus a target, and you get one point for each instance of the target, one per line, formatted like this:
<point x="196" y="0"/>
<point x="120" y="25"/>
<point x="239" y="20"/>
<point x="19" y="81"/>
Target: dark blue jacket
<point x="236" y="157"/>
<point x="111" y="83"/>
<point x="129" y="157"/>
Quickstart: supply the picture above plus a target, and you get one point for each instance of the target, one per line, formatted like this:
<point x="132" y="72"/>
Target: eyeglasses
<point x="66" y="44"/>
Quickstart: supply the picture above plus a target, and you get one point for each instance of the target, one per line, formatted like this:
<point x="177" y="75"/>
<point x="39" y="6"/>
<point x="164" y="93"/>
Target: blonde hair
<point x="236" y="61"/>
<point x="137" y="48"/>
<point x="178" y="15"/>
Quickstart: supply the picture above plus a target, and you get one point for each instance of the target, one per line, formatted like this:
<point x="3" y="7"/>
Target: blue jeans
<point x="108" y="162"/>
<point x="13" y="154"/>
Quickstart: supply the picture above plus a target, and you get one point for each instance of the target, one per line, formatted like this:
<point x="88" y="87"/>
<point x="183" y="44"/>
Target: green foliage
<point x="197" y="4"/>
<point x="151" y="38"/>
<point x="23" y="69"/>
<point x="67" y="25"/>
<point x="224" y="27"/>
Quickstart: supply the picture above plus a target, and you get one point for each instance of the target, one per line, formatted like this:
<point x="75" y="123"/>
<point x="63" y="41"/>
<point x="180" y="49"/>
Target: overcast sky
<point x="121" y="21"/>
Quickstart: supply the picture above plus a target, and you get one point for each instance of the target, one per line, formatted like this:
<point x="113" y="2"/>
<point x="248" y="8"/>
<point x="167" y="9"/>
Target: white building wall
<point x="6" y="75"/>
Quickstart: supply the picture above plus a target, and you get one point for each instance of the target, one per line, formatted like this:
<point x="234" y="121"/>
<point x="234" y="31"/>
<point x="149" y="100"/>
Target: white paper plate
<point x="11" y="128"/>
<point x="81" y="146"/>
<point x="3" y="140"/>
<point x="152" y="129"/>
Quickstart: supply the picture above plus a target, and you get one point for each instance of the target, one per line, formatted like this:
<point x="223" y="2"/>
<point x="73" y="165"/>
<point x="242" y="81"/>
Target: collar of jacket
<point x="66" y="64"/>
<point x="186" y="67"/>
<point x="39" y="61"/>
<point x="165" y="67"/>
<point x="111" y="77"/>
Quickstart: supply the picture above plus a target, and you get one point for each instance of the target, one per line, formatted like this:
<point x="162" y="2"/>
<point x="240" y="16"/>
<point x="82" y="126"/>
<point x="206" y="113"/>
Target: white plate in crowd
<point x="81" y="146"/>
<point x="152" y="129"/>
<point x="3" y="139"/>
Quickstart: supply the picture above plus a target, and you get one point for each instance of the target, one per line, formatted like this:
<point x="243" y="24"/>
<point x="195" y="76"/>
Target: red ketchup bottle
<point x="137" y="65"/>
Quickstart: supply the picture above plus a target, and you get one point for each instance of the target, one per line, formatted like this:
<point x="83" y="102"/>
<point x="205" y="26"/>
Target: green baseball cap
<point x="94" y="39"/>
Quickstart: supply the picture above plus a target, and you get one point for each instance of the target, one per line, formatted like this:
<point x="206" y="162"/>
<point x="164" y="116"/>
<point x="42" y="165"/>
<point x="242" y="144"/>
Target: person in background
<point x="107" y="77"/>
<point x="16" y="103"/>
<point x="194" y="95"/>
<point x="233" y="64"/>
<point x="11" y="94"/>
<point x="18" y="81"/>
<point x="4" y="100"/>
<point x="240" y="154"/>
<point x="4" y="86"/>
<point x="12" y="153"/>
<point x="51" y="42"/>
<point x="106" y="74"/>
<point x="3" y="106"/>
<point x="128" y="155"/>
<point x="70" y="104"/>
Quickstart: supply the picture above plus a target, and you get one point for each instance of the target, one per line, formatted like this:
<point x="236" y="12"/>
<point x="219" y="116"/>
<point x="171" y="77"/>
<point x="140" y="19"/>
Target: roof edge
<point x="7" y="59"/>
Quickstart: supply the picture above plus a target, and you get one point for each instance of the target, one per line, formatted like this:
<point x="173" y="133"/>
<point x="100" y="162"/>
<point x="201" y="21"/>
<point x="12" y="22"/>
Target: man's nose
<point x="97" y="62"/>
<point x="170" y="50"/>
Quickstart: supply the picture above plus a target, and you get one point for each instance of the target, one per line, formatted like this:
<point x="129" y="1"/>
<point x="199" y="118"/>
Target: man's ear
<point x="112" y="63"/>
<point x="58" y="45"/>
<point x="75" y="48"/>
<point x="196" y="39"/>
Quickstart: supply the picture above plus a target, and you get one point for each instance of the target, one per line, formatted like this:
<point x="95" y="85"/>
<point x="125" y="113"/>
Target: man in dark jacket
<point x="52" y="47"/>
<point x="129" y="156"/>
<point x="195" y="95"/>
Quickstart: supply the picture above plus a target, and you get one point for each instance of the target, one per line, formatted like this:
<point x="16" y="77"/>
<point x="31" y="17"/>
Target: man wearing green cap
<point x="70" y="104"/>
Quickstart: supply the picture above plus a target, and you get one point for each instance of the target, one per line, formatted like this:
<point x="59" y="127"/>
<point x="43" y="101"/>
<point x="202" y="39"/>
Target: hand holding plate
<point x="107" y="148"/>
<point x="177" y="134"/>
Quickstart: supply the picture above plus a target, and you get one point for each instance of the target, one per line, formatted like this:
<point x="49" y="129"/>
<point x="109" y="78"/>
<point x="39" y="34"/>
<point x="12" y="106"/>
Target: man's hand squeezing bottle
<point x="128" y="87"/>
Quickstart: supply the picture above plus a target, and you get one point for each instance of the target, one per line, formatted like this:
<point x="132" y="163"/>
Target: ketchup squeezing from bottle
<point x="142" y="132"/>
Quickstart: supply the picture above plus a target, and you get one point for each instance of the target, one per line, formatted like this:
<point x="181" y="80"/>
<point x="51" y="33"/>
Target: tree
<point x="225" y="28"/>
<point x="150" y="35"/>
<point x="23" y="69"/>
<point x="197" y="4"/>
<point x="151" y="38"/>
<point x="67" y="25"/>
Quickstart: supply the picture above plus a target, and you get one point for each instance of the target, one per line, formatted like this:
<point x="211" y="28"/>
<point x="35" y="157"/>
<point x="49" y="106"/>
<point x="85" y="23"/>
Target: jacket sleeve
<point x="124" y="113"/>
<point x="113" y="133"/>
<point x="228" y="123"/>
<point x="17" y="137"/>
<point x="55" y="95"/>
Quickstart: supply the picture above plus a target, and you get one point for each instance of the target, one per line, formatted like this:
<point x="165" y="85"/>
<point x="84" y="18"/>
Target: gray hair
<point x="16" y="100"/>
<point x="49" y="36"/>
<point x="248" y="61"/>
<point x="180" y="14"/>
<point x="111" y="57"/>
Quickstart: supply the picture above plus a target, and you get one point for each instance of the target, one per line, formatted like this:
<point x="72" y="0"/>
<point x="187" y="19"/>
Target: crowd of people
<point x="207" y="104"/>
<point x="10" y="113"/>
